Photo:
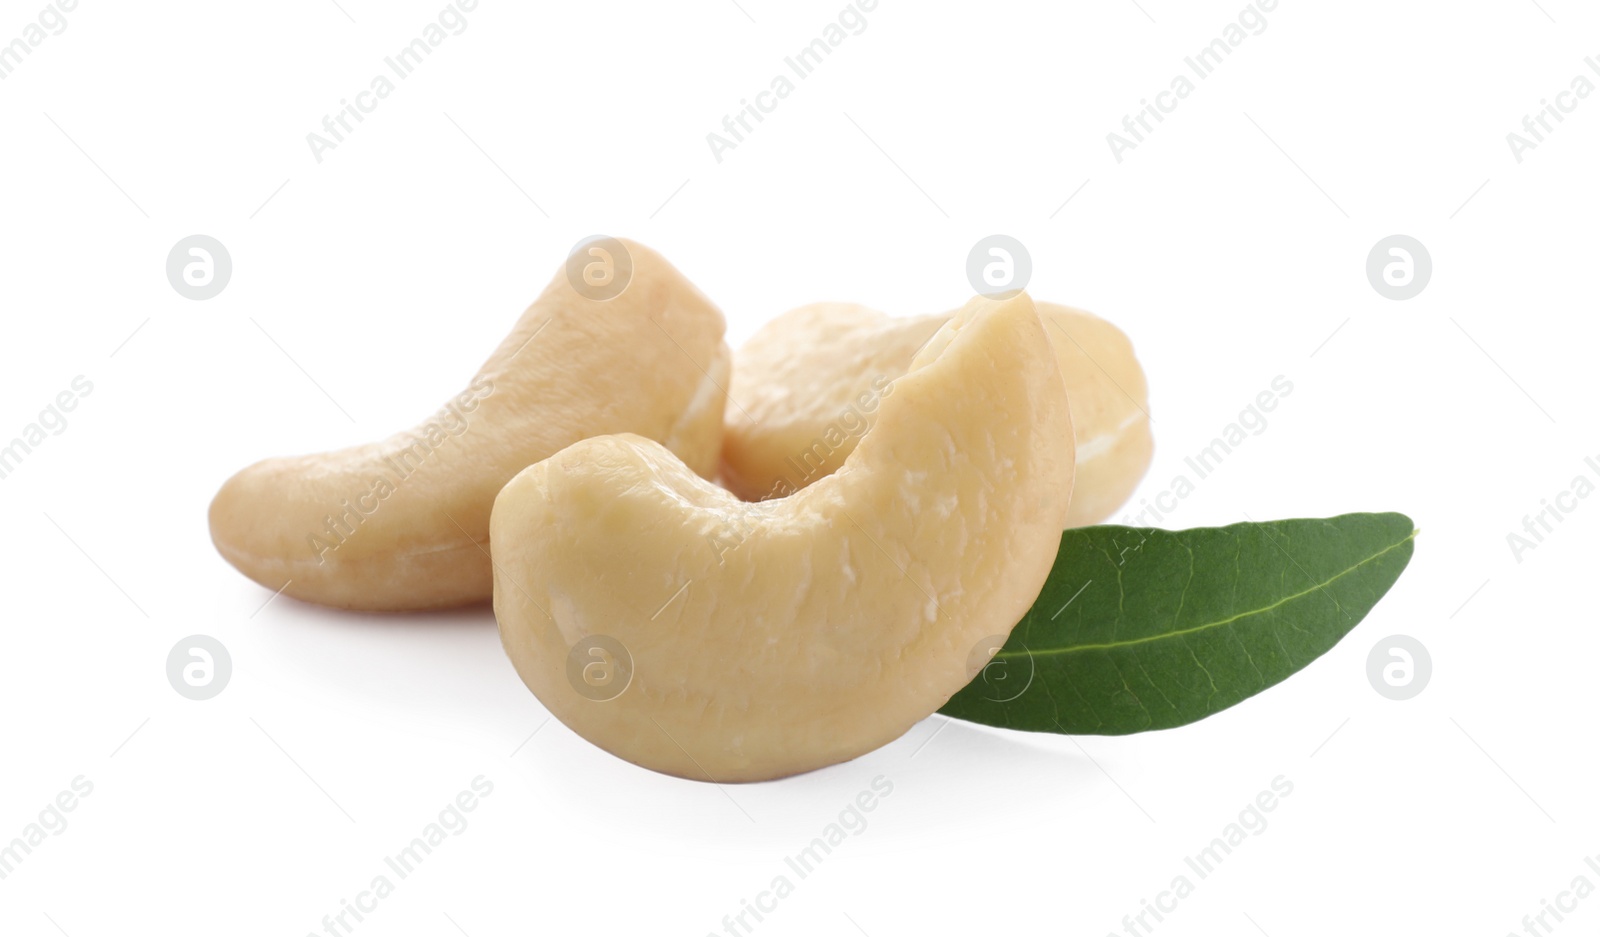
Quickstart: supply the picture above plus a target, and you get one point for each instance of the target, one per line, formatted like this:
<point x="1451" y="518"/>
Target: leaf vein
<point x="1207" y="626"/>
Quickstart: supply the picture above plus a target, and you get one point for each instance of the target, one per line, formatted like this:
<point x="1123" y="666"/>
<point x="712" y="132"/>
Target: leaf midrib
<point x="1205" y="626"/>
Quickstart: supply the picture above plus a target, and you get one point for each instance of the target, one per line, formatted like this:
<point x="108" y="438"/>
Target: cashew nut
<point x="702" y="636"/>
<point x="807" y="386"/>
<point x="404" y="523"/>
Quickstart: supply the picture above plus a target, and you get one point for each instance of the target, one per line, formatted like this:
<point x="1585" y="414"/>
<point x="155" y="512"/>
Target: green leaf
<point x="1139" y="629"/>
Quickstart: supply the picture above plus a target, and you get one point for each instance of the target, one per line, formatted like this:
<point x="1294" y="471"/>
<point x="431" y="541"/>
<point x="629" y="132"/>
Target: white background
<point x="1231" y="246"/>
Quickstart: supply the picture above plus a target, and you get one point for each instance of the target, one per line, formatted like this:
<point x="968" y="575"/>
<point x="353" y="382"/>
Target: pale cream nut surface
<point x="808" y="383"/>
<point x="404" y="523"/>
<point x="766" y="639"/>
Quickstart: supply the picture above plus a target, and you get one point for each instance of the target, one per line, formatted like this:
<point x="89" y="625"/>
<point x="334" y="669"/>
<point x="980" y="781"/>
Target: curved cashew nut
<point x="807" y="386"/>
<point x="695" y="634"/>
<point x="404" y="523"/>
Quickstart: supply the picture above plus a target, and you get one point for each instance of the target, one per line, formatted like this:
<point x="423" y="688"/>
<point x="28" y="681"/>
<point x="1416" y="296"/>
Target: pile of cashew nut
<point x="728" y="567"/>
